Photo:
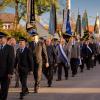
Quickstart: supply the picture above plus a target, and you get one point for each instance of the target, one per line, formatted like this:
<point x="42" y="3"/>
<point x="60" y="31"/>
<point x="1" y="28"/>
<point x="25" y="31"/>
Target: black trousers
<point x="60" y="66"/>
<point x="74" y="66"/>
<point x="16" y="77"/>
<point x="23" y="79"/>
<point x="48" y="72"/>
<point x="82" y="65"/>
<point x="95" y="60"/>
<point x="88" y="62"/>
<point x="4" y="82"/>
<point x="99" y="58"/>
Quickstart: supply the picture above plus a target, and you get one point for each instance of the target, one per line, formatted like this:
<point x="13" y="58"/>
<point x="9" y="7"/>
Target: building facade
<point x="7" y="21"/>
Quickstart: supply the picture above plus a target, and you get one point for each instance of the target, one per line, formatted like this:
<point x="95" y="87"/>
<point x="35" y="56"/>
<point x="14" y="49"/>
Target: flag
<point x="78" y="29"/>
<point x="97" y="25"/>
<point x="30" y="24"/>
<point x="53" y="20"/>
<point x="64" y="20"/>
<point x="32" y="11"/>
<point x="67" y="32"/>
<point x="85" y="22"/>
<point x="68" y="26"/>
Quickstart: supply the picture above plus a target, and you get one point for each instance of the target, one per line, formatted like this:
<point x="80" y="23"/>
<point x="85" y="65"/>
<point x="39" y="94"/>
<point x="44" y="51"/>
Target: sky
<point x="92" y="7"/>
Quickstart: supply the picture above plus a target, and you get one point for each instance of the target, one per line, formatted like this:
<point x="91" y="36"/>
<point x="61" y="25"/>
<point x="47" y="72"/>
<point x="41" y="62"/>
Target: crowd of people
<point x="43" y="55"/>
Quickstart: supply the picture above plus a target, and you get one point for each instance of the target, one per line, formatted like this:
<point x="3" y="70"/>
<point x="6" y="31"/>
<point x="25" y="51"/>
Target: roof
<point x="7" y="18"/>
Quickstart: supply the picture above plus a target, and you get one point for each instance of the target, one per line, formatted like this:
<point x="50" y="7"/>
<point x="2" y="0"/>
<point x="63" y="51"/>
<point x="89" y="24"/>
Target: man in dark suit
<point x="25" y="64"/>
<point x="55" y="42"/>
<point x="48" y="71"/>
<point x="6" y="65"/>
<point x="62" y="60"/>
<point x="93" y="47"/>
<point x="87" y="54"/>
<point x="38" y="49"/>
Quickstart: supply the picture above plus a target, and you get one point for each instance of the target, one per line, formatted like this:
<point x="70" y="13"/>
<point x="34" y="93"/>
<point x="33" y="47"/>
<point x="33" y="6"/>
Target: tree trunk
<point x="16" y="14"/>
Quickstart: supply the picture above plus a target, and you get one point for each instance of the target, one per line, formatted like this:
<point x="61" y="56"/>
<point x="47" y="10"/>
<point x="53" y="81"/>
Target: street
<point x="85" y="86"/>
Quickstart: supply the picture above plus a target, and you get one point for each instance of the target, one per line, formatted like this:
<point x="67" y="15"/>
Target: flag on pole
<point x="53" y="20"/>
<point x="78" y="29"/>
<point x="66" y="23"/>
<point x="97" y="25"/>
<point x="85" y="22"/>
<point x="68" y="26"/>
<point x="67" y="32"/>
<point x="31" y="25"/>
<point x="32" y="11"/>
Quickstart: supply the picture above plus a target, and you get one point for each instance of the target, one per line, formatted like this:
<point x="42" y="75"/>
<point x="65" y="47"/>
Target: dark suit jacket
<point x="85" y="52"/>
<point x="6" y="60"/>
<point x="24" y="60"/>
<point x="93" y="47"/>
<point x="51" y="54"/>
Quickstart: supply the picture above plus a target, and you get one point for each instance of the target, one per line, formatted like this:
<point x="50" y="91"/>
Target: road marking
<point x="61" y="90"/>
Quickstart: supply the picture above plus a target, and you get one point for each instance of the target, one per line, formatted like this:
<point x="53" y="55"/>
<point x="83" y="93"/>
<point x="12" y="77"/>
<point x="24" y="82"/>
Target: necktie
<point x="34" y="44"/>
<point x="1" y="47"/>
<point x="21" y="50"/>
<point x="1" y="50"/>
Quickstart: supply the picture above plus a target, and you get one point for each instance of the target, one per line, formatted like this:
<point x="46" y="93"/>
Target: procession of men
<point x="43" y="55"/>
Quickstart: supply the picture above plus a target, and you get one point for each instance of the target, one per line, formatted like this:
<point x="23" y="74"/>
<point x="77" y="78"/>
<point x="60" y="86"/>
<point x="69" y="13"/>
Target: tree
<point x="20" y="6"/>
<point x="1" y="24"/>
<point x="44" y="5"/>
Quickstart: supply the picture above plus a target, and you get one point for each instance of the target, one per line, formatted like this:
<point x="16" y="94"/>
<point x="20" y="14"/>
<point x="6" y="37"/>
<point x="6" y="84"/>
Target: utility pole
<point x="68" y="4"/>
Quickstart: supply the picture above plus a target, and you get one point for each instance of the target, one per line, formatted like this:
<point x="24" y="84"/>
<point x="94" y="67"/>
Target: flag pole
<point x="31" y="22"/>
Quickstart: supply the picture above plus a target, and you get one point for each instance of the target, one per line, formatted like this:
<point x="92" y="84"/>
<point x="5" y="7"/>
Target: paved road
<point x="85" y="86"/>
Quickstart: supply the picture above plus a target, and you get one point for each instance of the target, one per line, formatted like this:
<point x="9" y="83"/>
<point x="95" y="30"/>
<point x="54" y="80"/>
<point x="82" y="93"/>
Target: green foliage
<point x="44" y="6"/>
<point x="1" y="24"/>
<point x="16" y="33"/>
<point x="41" y="6"/>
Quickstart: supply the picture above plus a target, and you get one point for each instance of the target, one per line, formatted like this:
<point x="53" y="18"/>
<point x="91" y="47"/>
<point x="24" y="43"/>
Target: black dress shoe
<point x="58" y="80"/>
<point x="73" y="75"/>
<point x="27" y="92"/>
<point x="16" y="85"/>
<point x="36" y="89"/>
<point x="81" y="71"/>
<point x="66" y="78"/>
<point x="49" y="85"/>
<point x="21" y="95"/>
<point x="88" y="68"/>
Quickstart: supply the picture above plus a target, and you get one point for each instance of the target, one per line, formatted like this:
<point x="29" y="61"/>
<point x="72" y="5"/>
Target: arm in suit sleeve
<point x="11" y="60"/>
<point x="78" y="51"/>
<point x="45" y="52"/>
<point x="30" y="59"/>
<point x="54" y="51"/>
<point x="16" y="60"/>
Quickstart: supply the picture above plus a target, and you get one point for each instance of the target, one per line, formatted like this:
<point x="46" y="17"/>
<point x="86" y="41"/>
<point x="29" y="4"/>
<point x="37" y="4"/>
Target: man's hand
<point x="9" y="76"/>
<point x="47" y="65"/>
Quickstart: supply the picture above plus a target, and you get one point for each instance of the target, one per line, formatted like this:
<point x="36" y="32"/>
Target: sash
<point x="64" y="57"/>
<point x="89" y="48"/>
